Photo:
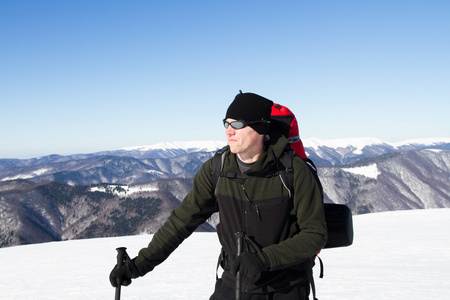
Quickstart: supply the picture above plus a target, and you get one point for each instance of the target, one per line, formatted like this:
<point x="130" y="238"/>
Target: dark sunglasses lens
<point x="234" y="125"/>
<point x="237" y="124"/>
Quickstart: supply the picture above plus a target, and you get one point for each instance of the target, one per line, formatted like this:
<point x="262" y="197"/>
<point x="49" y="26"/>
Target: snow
<point x="360" y="143"/>
<point x="32" y="174"/>
<point x="124" y="190"/>
<point x="397" y="255"/>
<point x="357" y="143"/>
<point x="151" y="187"/>
<point x="201" y="145"/>
<point x="427" y="142"/>
<point x="370" y="171"/>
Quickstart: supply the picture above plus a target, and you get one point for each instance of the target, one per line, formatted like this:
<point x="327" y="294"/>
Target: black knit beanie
<point x="251" y="107"/>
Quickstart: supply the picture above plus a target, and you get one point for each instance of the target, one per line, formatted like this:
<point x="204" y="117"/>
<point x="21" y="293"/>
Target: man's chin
<point x="233" y="148"/>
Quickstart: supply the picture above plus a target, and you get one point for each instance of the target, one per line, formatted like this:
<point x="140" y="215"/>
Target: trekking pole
<point x="239" y="239"/>
<point x="121" y="255"/>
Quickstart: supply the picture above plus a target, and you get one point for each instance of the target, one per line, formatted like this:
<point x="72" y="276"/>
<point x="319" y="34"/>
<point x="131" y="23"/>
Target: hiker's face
<point x="245" y="142"/>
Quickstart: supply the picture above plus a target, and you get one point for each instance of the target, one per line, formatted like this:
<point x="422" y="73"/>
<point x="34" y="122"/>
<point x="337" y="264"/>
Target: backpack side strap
<point x="217" y="164"/>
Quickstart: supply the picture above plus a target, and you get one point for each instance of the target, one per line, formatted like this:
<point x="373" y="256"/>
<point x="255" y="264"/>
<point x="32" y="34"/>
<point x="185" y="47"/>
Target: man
<point x="281" y="230"/>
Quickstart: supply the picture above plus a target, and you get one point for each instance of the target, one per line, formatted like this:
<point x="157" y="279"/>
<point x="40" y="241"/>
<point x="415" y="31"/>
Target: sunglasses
<point x="241" y="124"/>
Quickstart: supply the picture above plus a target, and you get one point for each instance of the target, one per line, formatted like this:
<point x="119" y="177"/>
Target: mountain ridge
<point x="107" y="195"/>
<point x="176" y="148"/>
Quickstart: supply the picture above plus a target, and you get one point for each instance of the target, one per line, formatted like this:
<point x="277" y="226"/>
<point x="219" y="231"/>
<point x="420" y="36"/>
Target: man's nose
<point x="229" y="131"/>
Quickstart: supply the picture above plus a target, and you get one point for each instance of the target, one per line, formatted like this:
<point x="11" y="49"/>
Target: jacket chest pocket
<point x="268" y="209"/>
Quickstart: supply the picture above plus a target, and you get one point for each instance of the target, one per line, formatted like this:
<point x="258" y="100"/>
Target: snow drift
<point x="400" y="255"/>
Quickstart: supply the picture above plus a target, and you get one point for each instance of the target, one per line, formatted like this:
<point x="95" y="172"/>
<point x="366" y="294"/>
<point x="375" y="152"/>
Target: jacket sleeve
<point x="195" y="209"/>
<point x="312" y="235"/>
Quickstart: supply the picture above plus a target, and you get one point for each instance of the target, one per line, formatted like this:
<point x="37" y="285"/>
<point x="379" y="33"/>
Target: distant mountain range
<point x="345" y="151"/>
<point x="132" y="190"/>
<point x="168" y="160"/>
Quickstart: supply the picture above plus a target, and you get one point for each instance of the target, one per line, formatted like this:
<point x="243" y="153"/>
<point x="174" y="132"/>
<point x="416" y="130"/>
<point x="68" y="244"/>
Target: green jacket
<point x="288" y="229"/>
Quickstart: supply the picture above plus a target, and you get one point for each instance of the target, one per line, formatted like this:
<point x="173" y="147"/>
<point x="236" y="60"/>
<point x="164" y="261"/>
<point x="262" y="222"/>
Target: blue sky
<point x="85" y="76"/>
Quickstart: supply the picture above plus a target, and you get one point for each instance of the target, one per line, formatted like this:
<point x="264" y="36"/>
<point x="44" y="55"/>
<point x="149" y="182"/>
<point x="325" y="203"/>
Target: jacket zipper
<point x="249" y="202"/>
<point x="246" y="200"/>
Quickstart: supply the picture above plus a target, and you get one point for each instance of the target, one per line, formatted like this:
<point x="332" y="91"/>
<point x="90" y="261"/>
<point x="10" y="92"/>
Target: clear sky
<point x="80" y="76"/>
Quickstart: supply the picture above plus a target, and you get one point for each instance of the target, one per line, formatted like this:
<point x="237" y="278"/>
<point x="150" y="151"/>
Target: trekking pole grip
<point x="121" y="254"/>
<point x="239" y="242"/>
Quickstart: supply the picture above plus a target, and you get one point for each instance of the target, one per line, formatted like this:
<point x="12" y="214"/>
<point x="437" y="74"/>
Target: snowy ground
<point x="397" y="255"/>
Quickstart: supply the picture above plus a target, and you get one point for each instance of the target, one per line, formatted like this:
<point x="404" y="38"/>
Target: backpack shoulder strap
<point x="217" y="164"/>
<point x="287" y="174"/>
<point x="287" y="170"/>
<point x="287" y="177"/>
<point x="217" y="168"/>
<point x="312" y="167"/>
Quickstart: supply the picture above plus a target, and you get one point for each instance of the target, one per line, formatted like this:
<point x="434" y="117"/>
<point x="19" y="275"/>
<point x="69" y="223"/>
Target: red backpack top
<point x="284" y="121"/>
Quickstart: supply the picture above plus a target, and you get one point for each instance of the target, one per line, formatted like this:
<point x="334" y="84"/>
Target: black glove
<point x="124" y="273"/>
<point x="250" y="264"/>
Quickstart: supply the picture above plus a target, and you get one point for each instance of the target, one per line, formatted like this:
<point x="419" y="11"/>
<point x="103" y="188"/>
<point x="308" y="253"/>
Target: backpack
<point x="338" y="217"/>
<point x="284" y="121"/>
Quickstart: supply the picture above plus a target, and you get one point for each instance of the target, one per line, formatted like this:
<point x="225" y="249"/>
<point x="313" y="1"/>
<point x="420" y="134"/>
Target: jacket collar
<point x="267" y="163"/>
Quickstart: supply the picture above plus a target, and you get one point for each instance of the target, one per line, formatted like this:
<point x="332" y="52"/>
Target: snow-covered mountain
<point x="413" y="179"/>
<point x="168" y="160"/>
<point x="91" y="196"/>
<point x="345" y="151"/>
<point x="322" y="151"/>
<point x="166" y="150"/>
<point x="401" y="255"/>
